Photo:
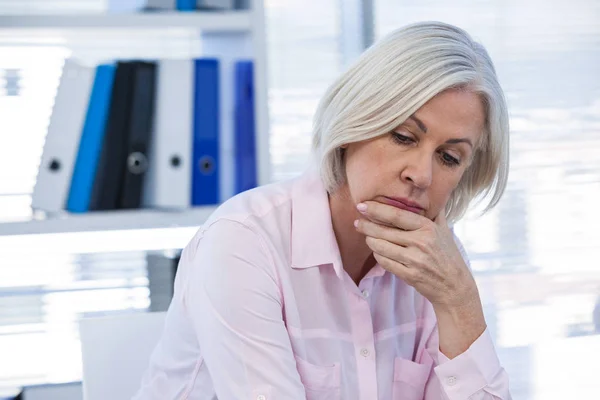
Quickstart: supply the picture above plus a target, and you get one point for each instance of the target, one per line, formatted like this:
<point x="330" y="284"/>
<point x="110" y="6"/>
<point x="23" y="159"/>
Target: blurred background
<point x="535" y="256"/>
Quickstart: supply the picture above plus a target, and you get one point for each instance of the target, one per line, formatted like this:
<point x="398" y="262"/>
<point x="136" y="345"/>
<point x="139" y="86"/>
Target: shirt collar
<point x="313" y="239"/>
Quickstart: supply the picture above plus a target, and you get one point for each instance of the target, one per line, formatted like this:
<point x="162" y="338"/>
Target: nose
<point x="418" y="169"/>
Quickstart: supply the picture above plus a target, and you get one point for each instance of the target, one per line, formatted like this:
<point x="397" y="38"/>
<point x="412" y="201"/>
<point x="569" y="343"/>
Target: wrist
<point x="459" y="326"/>
<point x="467" y="317"/>
<point x="459" y="301"/>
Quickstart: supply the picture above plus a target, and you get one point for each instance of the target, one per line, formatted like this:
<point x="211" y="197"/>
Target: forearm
<point x="460" y="326"/>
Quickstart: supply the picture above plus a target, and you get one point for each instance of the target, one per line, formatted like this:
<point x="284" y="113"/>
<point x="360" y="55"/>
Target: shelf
<point x="108" y="221"/>
<point x="230" y="21"/>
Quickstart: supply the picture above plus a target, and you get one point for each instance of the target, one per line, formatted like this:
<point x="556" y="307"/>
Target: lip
<point x="404" y="204"/>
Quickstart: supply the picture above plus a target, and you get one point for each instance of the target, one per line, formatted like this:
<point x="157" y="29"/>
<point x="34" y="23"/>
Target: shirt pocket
<point x="410" y="379"/>
<point x="320" y="382"/>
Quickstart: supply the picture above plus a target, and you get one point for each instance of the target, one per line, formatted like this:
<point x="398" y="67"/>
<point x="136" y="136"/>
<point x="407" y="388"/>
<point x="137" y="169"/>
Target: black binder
<point x="123" y="162"/>
<point x="113" y="156"/>
<point x="139" y="134"/>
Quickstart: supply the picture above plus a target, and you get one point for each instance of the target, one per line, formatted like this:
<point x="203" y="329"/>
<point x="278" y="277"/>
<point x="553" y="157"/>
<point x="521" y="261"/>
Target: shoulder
<point x="235" y="241"/>
<point x="250" y="207"/>
<point x="248" y="222"/>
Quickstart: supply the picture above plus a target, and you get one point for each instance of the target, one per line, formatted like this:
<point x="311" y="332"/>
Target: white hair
<point x="391" y="80"/>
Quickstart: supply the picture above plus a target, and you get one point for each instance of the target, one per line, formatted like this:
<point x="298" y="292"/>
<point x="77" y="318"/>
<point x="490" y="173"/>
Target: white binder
<point x="169" y="177"/>
<point x="62" y="139"/>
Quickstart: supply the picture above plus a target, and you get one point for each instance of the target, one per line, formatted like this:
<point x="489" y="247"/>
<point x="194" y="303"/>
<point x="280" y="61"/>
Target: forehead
<point x="454" y="113"/>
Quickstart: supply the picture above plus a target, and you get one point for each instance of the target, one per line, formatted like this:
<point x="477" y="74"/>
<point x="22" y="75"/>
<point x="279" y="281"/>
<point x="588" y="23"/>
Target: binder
<point x="91" y="140"/>
<point x="215" y="4"/>
<point x="138" y="135"/>
<point x="169" y="178"/>
<point x="244" y="127"/>
<point x="113" y="156"/>
<point x="51" y="188"/>
<point x="186" y="5"/>
<point x="205" y="170"/>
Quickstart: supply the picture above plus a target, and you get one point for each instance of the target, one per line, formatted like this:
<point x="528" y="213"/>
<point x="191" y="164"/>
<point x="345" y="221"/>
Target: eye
<point x="401" y="139"/>
<point x="450" y="160"/>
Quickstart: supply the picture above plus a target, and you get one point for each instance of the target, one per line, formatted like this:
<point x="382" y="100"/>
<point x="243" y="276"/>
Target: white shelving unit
<point x="226" y="35"/>
<point x="231" y="21"/>
<point x="109" y="220"/>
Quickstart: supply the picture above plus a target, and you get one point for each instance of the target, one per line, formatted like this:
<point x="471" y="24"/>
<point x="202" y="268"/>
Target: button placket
<point x="365" y="289"/>
<point x="363" y="340"/>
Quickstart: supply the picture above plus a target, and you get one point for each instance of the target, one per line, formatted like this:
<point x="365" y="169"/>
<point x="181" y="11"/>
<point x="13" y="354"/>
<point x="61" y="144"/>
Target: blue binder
<point x="91" y="140"/>
<point x="205" y="158"/>
<point x="244" y="127"/>
<point x="186" y="5"/>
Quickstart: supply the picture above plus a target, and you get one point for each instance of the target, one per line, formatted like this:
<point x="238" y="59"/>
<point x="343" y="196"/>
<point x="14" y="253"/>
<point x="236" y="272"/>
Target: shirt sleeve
<point x="232" y="296"/>
<point x="475" y="374"/>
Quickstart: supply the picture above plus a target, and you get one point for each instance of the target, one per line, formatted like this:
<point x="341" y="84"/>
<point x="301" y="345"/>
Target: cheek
<point x="440" y="192"/>
<point x="363" y="169"/>
<point x="356" y="177"/>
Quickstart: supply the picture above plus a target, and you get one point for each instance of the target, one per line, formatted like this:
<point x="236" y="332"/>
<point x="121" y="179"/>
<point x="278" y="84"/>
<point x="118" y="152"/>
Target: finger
<point x="390" y="250"/>
<point x="411" y="257"/>
<point x="390" y="234"/>
<point x="390" y="215"/>
<point x="396" y="268"/>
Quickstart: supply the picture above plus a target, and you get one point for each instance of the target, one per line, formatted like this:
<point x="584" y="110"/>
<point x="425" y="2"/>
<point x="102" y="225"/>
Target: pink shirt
<point x="263" y="309"/>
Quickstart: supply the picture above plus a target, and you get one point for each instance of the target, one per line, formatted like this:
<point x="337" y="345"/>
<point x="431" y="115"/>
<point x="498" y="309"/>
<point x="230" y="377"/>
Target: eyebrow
<point x="422" y="127"/>
<point x="419" y="123"/>
<point x="465" y="140"/>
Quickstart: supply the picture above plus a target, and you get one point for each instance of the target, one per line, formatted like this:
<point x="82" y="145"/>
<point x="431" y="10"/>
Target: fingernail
<point x="362" y="207"/>
<point x="356" y="223"/>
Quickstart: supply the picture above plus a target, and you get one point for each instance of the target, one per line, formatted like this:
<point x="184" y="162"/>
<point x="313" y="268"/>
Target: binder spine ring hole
<point x="137" y="163"/>
<point x="54" y="165"/>
<point x="206" y="165"/>
<point x="175" y="161"/>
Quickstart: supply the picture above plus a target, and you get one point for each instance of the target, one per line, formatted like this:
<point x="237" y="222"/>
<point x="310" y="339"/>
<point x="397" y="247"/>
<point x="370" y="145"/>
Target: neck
<point x="357" y="257"/>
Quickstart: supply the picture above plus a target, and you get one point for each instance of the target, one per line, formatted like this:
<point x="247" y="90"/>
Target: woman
<point x="347" y="282"/>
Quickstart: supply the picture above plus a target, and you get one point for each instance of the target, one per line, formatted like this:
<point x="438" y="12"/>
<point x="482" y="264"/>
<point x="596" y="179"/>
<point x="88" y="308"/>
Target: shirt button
<point x="451" y="381"/>
<point x="365" y="293"/>
<point x="261" y="397"/>
<point x="364" y="352"/>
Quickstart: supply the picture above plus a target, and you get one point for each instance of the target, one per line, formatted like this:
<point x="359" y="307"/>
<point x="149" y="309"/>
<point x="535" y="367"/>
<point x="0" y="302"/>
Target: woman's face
<point x="422" y="160"/>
